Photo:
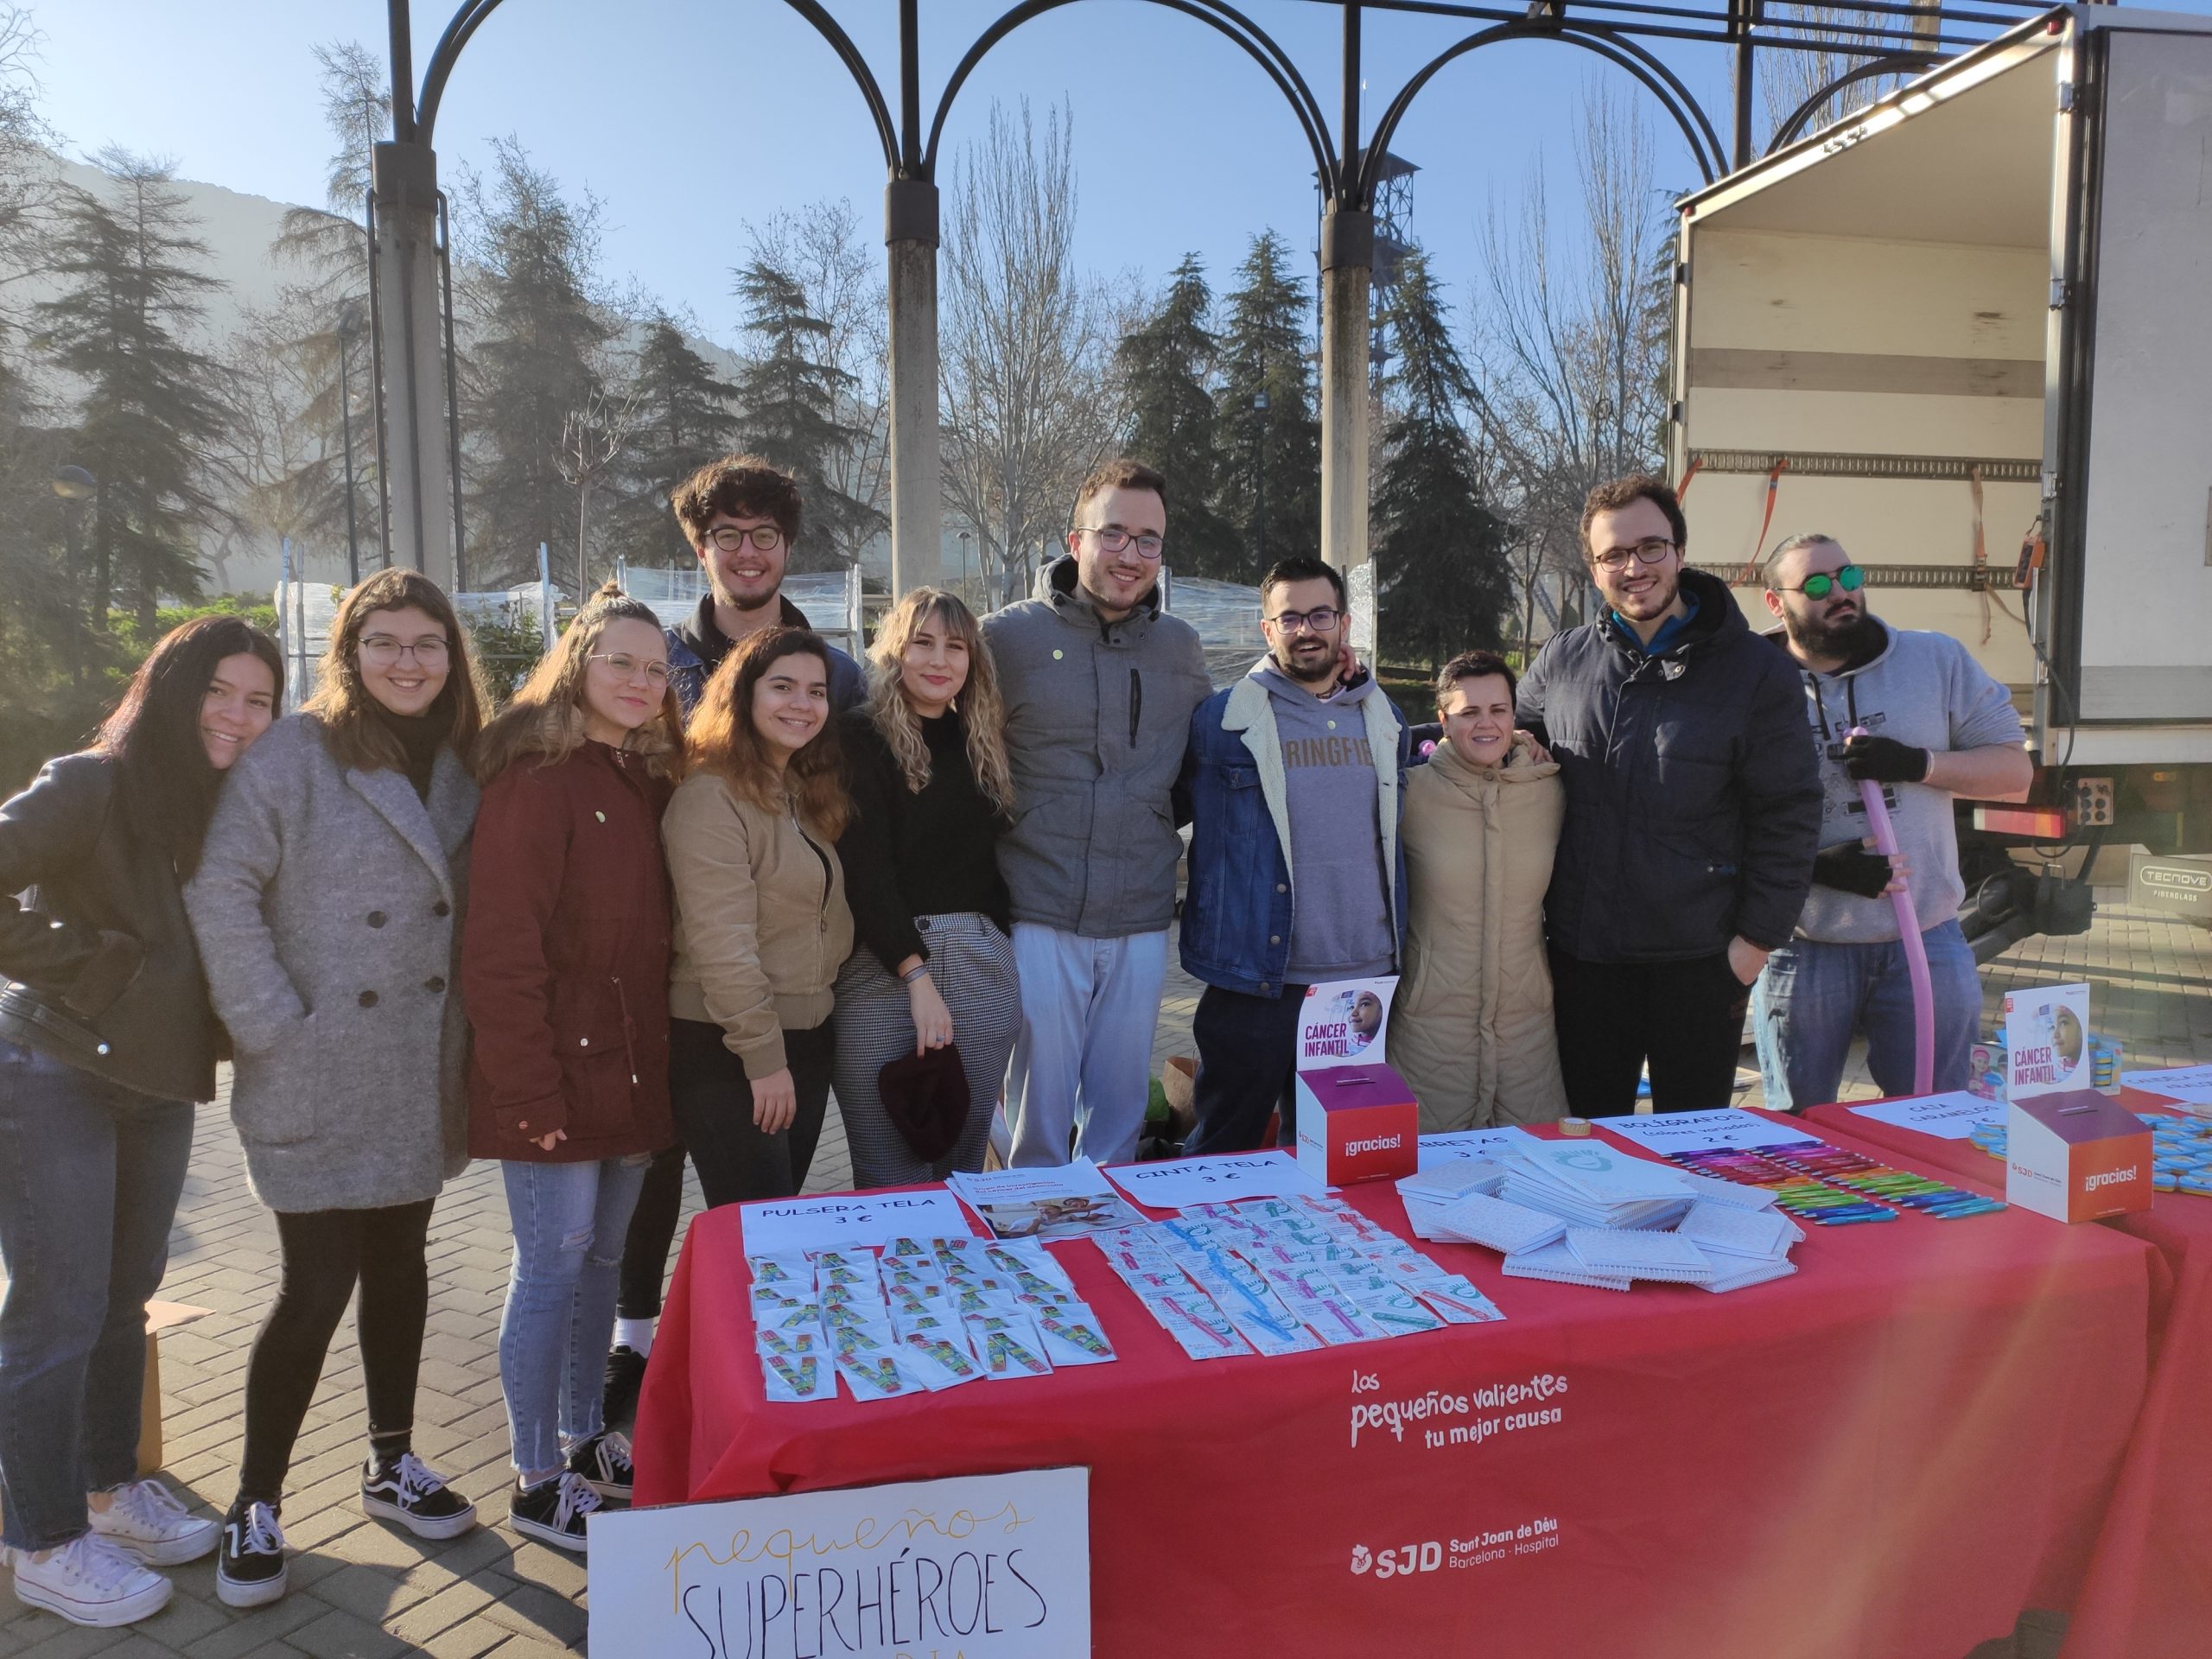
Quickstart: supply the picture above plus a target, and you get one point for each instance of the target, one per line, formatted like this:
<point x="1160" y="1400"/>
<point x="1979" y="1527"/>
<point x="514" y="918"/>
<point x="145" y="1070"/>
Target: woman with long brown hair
<point x="762" y="922"/>
<point x="106" y="1040"/>
<point x="328" y="907"/>
<point x="932" y="794"/>
<point x="565" y="971"/>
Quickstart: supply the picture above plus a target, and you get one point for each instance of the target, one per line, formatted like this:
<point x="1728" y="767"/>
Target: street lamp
<point x="349" y="320"/>
<point x="1259" y="485"/>
<point x="966" y="537"/>
<point x="75" y="486"/>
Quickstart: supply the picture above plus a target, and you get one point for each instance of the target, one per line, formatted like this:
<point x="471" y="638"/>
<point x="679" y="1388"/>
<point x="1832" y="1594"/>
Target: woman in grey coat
<point x="327" y="906"/>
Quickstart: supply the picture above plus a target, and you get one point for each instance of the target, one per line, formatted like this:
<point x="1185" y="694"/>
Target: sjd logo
<point x="1361" y="1561"/>
<point x="1395" y="1563"/>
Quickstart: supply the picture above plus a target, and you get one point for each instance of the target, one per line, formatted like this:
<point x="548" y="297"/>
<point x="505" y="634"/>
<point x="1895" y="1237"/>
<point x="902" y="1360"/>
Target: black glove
<point x="1850" y="867"/>
<point x="1883" y="760"/>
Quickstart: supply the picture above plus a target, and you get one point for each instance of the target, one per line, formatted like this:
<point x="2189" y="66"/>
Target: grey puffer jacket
<point x="1098" y="716"/>
<point x="328" y="910"/>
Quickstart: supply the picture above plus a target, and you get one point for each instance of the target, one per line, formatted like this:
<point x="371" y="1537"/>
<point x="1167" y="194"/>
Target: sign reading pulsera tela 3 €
<point x="991" y="1566"/>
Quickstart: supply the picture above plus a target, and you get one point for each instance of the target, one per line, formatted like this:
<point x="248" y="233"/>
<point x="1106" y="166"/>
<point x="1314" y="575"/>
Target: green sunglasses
<point x="1850" y="579"/>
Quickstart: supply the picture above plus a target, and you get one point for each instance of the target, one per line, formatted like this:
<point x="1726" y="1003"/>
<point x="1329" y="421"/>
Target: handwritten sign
<point x="850" y="1220"/>
<point x="1722" y="1126"/>
<point x="989" y="1566"/>
<point x="1951" y="1116"/>
<point x="1177" y="1182"/>
<point x="1451" y="1145"/>
<point x="2190" y="1084"/>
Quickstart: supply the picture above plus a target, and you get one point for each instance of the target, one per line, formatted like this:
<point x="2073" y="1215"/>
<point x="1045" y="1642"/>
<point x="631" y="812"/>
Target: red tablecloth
<point x="2149" y="1591"/>
<point x="1888" y="1455"/>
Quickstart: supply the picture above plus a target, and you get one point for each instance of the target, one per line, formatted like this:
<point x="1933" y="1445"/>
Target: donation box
<point x="1356" y="1119"/>
<point x="2076" y="1155"/>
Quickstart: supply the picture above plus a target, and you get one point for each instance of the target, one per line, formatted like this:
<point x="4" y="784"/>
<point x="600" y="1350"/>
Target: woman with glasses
<point x="762" y="922"/>
<point x="106" y="1040"/>
<point x="564" y="972"/>
<point x="932" y="794"/>
<point x="328" y="910"/>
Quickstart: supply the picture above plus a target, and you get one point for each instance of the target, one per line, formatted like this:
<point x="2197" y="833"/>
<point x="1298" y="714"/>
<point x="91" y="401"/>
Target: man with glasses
<point x="741" y="517"/>
<point x="1099" y="684"/>
<point x="1693" y="808"/>
<point x="1297" y="874"/>
<point x="1932" y="724"/>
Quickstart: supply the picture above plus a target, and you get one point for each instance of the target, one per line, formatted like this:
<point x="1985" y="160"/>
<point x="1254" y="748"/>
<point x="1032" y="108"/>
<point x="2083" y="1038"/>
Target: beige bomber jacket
<point x="761" y="923"/>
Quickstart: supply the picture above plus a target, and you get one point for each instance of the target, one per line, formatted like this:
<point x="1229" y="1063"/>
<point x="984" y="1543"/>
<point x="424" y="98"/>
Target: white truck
<point x="1968" y="332"/>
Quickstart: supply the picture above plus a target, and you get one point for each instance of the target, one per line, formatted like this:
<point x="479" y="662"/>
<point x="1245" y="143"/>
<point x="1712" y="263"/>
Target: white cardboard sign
<point x="991" y="1566"/>
<point x="850" y="1221"/>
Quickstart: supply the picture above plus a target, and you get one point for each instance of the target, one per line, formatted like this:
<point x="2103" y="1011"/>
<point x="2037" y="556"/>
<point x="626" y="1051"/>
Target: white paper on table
<point x="1951" y="1116"/>
<point x="1176" y="1183"/>
<point x="850" y="1220"/>
<point x="1722" y="1126"/>
<point x="1479" y="1144"/>
<point x="1764" y="1233"/>
<point x="2191" y="1083"/>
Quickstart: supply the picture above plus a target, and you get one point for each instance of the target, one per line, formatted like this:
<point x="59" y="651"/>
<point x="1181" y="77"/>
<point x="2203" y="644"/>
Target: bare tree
<point x="28" y="181"/>
<point x="593" y="442"/>
<point x="1029" y="398"/>
<point x="839" y="268"/>
<point x="1786" y="80"/>
<point x="1572" y="339"/>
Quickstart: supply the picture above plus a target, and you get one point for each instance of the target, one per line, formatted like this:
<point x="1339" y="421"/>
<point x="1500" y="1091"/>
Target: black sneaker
<point x="251" y="1570"/>
<point x="626" y="1375"/>
<point x="604" y="1460"/>
<point x="407" y="1490"/>
<point x="554" y="1511"/>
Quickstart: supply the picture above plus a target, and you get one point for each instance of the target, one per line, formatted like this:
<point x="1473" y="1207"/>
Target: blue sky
<point x="689" y="117"/>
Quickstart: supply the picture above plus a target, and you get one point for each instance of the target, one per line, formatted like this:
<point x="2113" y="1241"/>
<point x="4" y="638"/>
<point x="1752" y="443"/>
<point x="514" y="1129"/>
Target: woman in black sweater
<point x="932" y="793"/>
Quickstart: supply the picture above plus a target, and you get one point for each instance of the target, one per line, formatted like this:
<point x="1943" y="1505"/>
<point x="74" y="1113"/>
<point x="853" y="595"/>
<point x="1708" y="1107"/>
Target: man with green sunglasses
<point x="1912" y="711"/>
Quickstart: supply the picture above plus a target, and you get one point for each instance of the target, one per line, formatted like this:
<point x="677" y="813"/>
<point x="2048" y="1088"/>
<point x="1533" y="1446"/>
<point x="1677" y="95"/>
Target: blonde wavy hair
<point x="545" y="720"/>
<point x="983" y="711"/>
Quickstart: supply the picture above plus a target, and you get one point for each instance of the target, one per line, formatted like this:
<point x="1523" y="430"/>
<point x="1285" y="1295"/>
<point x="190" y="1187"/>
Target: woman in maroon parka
<point x="564" y="973"/>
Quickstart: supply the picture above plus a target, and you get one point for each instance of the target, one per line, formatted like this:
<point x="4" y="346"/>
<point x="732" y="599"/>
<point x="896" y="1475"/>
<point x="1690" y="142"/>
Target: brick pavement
<point x="361" y="1590"/>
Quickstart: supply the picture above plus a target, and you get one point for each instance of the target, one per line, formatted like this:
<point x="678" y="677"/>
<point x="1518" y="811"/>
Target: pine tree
<point x="794" y="401"/>
<point x="1269" y="425"/>
<point x="1441" y="558"/>
<point x="535" y="364"/>
<point x="684" y="418"/>
<point x="1168" y="364"/>
<point x="132" y="285"/>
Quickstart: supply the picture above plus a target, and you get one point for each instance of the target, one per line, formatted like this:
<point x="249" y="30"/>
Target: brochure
<point x="1345" y="1022"/>
<point x="1074" y="1201"/>
<point x="2046" y="1040"/>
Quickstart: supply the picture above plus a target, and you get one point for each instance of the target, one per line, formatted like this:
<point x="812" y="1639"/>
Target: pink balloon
<point x="1915" y="952"/>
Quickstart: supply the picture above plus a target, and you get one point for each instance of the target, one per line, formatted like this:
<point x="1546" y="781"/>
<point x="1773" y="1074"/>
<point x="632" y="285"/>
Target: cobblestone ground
<point x="361" y="1590"/>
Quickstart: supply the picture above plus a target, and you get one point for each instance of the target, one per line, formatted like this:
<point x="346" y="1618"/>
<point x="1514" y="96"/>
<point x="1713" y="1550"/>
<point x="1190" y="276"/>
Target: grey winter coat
<point x="328" y="910"/>
<point x="1097" y="714"/>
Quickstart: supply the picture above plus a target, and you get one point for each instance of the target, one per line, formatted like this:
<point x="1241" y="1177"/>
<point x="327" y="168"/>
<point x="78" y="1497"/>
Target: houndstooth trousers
<point x="971" y="963"/>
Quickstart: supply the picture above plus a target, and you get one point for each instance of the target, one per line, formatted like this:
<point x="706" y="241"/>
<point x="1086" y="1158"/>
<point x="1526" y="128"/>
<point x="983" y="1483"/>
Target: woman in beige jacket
<point x="1471" y="1028"/>
<point x="761" y="923"/>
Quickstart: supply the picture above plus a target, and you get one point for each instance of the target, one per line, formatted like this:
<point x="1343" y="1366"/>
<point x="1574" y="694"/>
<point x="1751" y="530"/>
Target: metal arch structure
<point x="1801" y="118"/>
<point x="415" y="393"/>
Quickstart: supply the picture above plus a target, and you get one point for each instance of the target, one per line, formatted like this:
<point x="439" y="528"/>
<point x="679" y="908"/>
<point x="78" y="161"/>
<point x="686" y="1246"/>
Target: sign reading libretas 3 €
<point x="988" y="1566"/>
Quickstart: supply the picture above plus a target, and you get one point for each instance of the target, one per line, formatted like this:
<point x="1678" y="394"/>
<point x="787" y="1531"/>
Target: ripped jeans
<point x="568" y="1221"/>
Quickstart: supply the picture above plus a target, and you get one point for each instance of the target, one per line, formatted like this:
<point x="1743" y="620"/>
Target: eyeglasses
<point x="1821" y="584"/>
<point x="732" y="538"/>
<point x="627" y="667"/>
<point x="1646" y="552"/>
<point x="384" y="650"/>
<point x="1112" y="538"/>
<point x="1320" y="620"/>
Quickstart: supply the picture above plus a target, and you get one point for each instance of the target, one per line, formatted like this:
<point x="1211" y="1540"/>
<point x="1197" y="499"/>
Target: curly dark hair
<point x="743" y="486"/>
<point x="1617" y="492"/>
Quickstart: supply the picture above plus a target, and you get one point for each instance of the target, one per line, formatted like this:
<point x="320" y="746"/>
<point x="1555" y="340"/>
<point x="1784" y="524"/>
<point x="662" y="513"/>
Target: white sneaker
<point x="89" y="1581"/>
<point x="147" y="1521"/>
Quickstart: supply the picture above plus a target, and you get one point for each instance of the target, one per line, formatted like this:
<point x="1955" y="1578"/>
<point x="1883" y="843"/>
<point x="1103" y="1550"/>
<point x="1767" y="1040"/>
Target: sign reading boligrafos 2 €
<point x="988" y="1566"/>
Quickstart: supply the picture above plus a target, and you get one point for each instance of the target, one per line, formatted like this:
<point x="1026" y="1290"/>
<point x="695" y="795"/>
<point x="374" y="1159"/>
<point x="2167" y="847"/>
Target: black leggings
<point x="651" y="1236"/>
<point x="328" y="1252"/>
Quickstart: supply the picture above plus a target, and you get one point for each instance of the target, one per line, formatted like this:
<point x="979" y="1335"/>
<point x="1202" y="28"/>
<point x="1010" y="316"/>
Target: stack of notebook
<point x="1588" y="1183"/>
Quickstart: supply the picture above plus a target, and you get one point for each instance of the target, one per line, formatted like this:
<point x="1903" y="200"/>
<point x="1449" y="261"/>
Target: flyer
<point x="2046" y="1040"/>
<point x="1073" y="1201"/>
<point x="1345" y="1022"/>
<point x="1175" y="1183"/>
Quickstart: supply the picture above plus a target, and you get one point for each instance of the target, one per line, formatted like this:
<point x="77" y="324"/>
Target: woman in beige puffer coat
<point x="1471" y="1029"/>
